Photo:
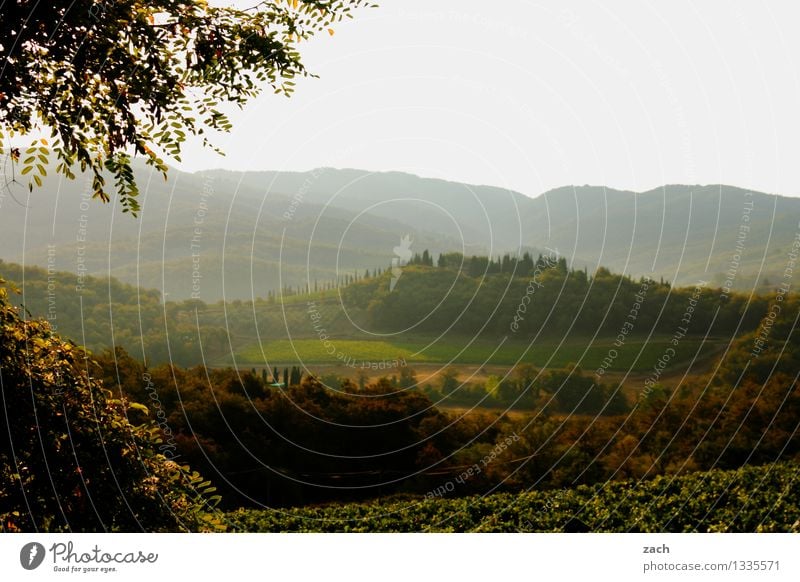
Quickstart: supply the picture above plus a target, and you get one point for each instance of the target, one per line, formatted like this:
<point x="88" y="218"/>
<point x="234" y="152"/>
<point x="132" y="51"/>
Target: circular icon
<point x="31" y="555"/>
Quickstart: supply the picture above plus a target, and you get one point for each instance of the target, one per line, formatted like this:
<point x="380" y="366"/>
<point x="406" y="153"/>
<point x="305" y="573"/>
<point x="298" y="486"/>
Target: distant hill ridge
<point x="259" y="231"/>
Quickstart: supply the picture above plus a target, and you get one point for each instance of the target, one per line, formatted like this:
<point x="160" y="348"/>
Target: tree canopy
<point x="114" y="79"/>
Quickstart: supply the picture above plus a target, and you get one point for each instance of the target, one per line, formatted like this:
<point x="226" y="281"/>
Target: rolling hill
<point x="221" y="234"/>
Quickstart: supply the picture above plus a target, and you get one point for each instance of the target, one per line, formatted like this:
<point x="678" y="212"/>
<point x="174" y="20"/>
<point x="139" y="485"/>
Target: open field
<point x="637" y="354"/>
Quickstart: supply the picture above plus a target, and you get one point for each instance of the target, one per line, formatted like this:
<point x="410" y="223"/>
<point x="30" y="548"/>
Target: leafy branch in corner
<point x="110" y="80"/>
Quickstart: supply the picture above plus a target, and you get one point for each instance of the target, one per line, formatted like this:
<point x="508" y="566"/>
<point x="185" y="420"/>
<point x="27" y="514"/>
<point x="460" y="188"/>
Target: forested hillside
<point x="533" y="296"/>
<point x="443" y="309"/>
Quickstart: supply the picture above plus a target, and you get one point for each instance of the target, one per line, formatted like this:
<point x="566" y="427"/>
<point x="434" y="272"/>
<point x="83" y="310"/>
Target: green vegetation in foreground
<point x="314" y="351"/>
<point x="751" y="499"/>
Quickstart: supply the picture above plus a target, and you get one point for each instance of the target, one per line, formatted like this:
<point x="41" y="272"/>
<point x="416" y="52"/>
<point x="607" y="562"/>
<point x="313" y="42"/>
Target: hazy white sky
<point x="534" y="95"/>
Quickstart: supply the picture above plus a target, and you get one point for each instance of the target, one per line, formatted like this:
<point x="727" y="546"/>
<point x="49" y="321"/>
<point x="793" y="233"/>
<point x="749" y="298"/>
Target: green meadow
<point x="636" y="354"/>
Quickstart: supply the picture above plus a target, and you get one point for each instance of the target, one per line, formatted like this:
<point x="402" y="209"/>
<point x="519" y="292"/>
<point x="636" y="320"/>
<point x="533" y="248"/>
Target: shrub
<point x="70" y="460"/>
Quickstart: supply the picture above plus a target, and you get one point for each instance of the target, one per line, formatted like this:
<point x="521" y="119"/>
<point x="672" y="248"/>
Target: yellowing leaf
<point x="139" y="407"/>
